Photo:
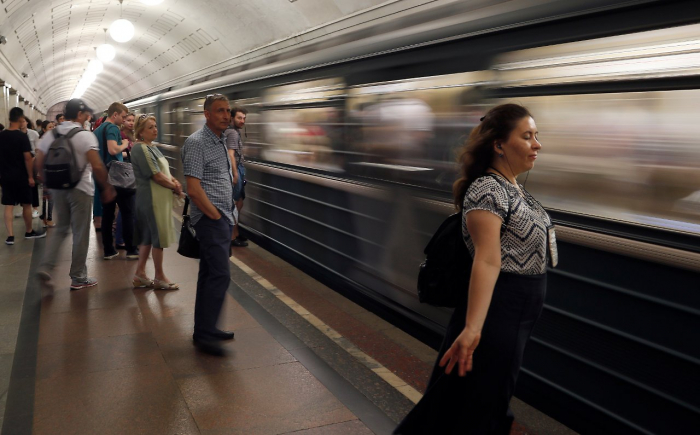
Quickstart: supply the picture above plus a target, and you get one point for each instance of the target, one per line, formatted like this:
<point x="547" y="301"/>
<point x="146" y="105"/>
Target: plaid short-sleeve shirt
<point x="204" y="157"/>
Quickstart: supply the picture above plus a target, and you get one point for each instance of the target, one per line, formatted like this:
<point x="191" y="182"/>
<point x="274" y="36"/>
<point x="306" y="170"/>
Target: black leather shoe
<point x="223" y="335"/>
<point x="210" y="347"/>
<point x="242" y="238"/>
<point x="238" y="243"/>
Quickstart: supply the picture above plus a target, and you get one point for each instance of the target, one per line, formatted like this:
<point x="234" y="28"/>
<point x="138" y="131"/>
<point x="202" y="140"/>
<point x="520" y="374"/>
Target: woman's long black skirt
<point x="478" y="403"/>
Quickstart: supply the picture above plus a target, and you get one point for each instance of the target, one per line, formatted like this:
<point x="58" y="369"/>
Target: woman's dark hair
<point x="478" y="153"/>
<point x="30" y="124"/>
<point x="44" y="124"/>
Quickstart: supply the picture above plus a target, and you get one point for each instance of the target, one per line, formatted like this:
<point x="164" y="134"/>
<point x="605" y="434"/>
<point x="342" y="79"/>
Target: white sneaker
<point x="35" y="214"/>
<point x="18" y="214"/>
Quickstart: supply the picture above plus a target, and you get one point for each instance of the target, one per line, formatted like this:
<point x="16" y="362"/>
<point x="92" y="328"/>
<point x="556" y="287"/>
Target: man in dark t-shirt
<point x="17" y="174"/>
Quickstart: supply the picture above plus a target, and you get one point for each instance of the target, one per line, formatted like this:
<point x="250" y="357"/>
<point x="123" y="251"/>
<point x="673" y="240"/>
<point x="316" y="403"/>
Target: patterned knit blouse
<point x="524" y="241"/>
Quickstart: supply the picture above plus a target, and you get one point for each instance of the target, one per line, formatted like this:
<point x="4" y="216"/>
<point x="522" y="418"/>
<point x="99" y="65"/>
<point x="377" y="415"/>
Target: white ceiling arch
<point x="51" y="41"/>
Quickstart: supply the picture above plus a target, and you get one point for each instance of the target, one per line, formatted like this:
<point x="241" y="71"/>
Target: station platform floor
<point x="112" y="359"/>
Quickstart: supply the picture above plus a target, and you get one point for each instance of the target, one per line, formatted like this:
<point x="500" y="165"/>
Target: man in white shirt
<point x="74" y="206"/>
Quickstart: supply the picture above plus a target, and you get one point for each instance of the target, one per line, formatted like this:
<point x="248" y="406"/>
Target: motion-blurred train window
<point x="301" y="124"/>
<point x="409" y="131"/>
<point x="626" y="156"/>
<point x="630" y="156"/>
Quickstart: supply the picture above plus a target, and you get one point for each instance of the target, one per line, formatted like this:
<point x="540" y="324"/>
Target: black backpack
<point x="61" y="169"/>
<point x="443" y="278"/>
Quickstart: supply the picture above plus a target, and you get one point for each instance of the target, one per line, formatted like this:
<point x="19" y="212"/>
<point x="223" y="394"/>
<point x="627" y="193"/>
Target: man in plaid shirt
<point x="209" y="178"/>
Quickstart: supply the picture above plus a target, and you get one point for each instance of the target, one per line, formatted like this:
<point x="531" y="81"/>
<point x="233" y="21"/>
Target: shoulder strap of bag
<point x="104" y="141"/>
<point x="187" y="205"/>
<point x="510" y="202"/>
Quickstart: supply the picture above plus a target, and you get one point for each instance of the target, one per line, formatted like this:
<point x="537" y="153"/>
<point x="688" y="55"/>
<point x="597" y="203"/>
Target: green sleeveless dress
<point x="154" y="203"/>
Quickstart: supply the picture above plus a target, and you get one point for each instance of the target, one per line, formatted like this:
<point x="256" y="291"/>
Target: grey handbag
<point x="120" y="174"/>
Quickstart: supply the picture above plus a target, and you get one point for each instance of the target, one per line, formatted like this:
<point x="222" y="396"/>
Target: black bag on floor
<point x="443" y="278"/>
<point x="189" y="244"/>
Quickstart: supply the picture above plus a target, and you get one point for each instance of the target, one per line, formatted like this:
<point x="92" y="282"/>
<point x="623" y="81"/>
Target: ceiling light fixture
<point x="106" y="52"/>
<point x="95" y="66"/>
<point x="121" y="30"/>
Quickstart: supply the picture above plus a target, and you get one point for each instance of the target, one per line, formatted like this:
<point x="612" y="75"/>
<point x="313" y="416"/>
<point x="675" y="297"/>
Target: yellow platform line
<point x="387" y="375"/>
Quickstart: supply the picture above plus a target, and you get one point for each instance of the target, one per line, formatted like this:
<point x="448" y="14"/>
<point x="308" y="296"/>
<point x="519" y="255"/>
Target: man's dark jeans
<point x="125" y="201"/>
<point x="214" y="274"/>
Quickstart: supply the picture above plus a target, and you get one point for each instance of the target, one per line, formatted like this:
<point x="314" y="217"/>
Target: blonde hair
<point x="141" y="124"/>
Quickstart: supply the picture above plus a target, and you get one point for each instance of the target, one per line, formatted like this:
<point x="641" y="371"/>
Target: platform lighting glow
<point x="151" y="2"/>
<point x="106" y="52"/>
<point x="95" y="66"/>
<point x="89" y="76"/>
<point x="121" y="30"/>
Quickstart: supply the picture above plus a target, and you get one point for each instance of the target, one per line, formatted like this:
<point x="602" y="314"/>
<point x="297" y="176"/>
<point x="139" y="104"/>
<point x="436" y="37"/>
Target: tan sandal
<point x="160" y="285"/>
<point x="142" y="282"/>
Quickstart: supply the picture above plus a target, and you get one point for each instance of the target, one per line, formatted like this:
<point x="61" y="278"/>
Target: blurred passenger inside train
<point x="155" y="187"/>
<point x="511" y="240"/>
<point x="398" y="130"/>
<point x="209" y="176"/>
<point x="234" y="143"/>
<point x="111" y="147"/>
<point x="74" y="205"/>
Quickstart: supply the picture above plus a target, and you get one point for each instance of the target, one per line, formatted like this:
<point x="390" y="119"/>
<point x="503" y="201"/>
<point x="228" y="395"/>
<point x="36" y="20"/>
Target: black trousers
<point x="125" y="201"/>
<point x="214" y="274"/>
<point x="478" y="404"/>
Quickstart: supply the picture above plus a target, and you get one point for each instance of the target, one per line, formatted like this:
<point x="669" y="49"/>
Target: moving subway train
<point x="351" y="157"/>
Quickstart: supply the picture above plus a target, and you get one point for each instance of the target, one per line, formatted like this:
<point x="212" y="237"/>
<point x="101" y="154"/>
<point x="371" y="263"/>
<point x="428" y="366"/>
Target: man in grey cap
<point x="74" y="206"/>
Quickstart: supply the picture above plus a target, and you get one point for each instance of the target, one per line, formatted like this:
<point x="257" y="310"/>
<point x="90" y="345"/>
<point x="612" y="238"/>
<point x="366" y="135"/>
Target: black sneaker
<point x="242" y="238"/>
<point x="10" y="240"/>
<point x="132" y="254"/>
<point x="110" y="254"/>
<point x="35" y="235"/>
<point x="237" y="243"/>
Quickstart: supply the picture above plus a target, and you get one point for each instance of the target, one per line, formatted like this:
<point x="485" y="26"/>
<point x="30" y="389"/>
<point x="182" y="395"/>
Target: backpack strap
<point x="510" y="201"/>
<point x="104" y="141"/>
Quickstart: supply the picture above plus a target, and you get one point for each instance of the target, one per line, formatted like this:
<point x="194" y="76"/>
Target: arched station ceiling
<point x="52" y="41"/>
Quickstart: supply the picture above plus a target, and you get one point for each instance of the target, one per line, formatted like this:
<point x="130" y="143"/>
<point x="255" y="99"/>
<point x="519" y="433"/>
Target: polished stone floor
<point x="112" y="359"/>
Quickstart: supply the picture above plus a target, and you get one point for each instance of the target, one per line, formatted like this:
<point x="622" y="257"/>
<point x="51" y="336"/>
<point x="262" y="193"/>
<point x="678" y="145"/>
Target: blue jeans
<point x="239" y="188"/>
<point x="214" y="274"/>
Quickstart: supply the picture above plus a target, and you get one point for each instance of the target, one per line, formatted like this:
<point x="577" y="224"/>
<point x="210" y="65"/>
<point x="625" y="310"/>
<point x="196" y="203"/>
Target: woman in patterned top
<point x="506" y="231"/>
<point x="154" y="228"/>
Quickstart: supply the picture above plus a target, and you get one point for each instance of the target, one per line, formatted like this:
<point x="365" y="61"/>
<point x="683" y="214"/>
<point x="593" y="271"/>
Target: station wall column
<point x="3" y="104"/>
<point x="13" y="100"/>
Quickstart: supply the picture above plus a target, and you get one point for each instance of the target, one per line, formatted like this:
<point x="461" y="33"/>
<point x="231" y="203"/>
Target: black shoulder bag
<point x="189" y="244"/>
<point x="443" y="278"/>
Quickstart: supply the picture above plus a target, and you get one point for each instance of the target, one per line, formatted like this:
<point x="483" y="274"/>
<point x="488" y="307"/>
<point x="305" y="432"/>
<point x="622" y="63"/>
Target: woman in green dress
<point x="154" y="204"/>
